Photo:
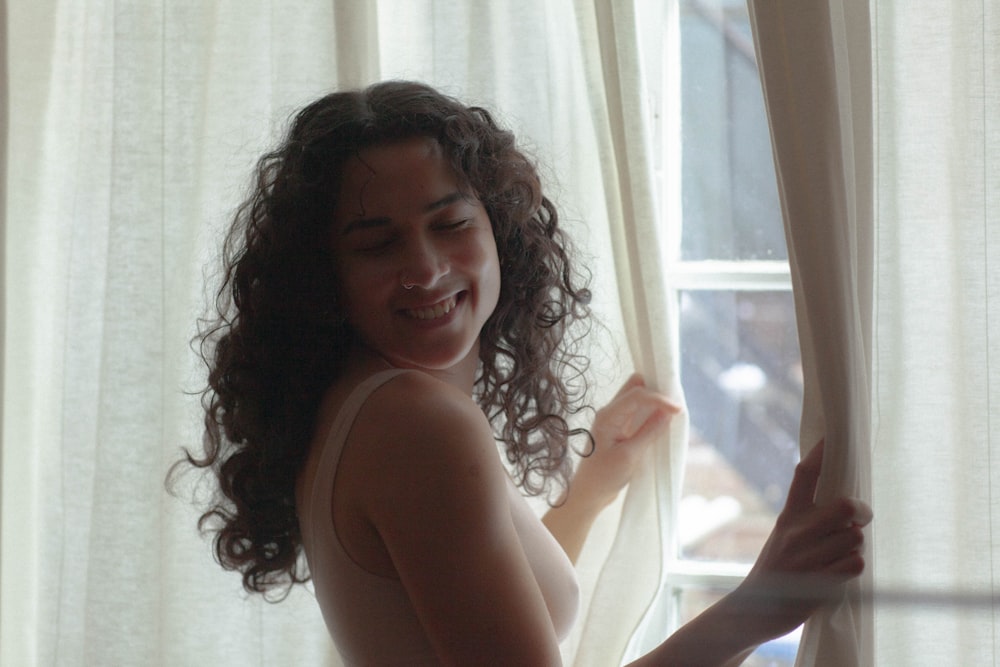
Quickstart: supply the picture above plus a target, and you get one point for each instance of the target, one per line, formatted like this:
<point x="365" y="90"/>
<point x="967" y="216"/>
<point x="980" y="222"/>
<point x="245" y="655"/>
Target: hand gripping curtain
<point x="815" y="64"/>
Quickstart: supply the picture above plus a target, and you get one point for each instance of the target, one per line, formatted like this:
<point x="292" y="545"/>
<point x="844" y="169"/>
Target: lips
<point x="433" y="311"/>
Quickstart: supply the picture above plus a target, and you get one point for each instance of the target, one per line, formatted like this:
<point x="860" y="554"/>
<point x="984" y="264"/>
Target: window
<point x="727" y="265"/>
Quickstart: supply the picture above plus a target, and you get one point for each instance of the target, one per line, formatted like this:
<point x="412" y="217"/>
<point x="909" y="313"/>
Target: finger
<point x="835" y="546"/>
<point x="653" y="402"/>
<point x="634" y="380"/>
<point x="642" y="395"/>
<point x="654" y="426"/>
<point x="645" y="405"/>
<point x="849" y="565"/>
<point x="864" y="514"/>
<point x="843" y="512"/>
<point x="814" y="457"/>
<point x="803" y="488"/>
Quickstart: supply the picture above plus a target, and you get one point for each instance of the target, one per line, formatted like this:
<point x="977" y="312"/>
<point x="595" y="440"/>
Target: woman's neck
<point x="461" y="375"/>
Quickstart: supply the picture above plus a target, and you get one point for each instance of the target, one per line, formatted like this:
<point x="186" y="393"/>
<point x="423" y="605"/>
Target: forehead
<point x="395" y="177"/>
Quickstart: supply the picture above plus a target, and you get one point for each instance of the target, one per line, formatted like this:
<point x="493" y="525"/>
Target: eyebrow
<point x="369" y="223"/>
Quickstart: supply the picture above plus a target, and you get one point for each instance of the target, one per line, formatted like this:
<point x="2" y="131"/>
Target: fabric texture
<point x="370" y="616"/>
<point x="815" y="66"/>
<point x="884" y="128"/>
<point x="935" y="468"/>
<point x="629" y="613"/>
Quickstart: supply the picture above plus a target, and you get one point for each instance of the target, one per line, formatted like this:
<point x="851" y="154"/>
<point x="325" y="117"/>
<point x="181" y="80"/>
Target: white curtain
<point x="625" y="598"/>
<point x="814" y="60"/>
<point x="133" y="127"/>
<point x="884" y="125"/>
<point x="936" y="468"/>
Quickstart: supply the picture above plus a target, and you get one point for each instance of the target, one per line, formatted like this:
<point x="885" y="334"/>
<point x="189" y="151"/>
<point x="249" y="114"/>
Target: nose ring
<point x="406" y="285"/>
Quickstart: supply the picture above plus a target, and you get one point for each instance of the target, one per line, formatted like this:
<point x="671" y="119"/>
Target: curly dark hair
<point x="277" y="341"/>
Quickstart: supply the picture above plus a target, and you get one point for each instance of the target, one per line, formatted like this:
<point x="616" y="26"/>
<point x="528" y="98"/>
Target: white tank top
<point x="370" y="616"/>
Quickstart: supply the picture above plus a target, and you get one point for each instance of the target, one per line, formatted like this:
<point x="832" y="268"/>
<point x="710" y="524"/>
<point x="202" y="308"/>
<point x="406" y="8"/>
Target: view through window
<point x="740" y="364"/>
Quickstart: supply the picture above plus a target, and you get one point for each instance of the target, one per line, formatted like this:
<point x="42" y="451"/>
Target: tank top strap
<point x="337" y="436"/>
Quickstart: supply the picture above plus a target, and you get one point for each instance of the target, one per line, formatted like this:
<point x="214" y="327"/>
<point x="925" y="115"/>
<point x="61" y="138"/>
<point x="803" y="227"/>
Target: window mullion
<point x="730" y="275"/>
<point x="699" y="574"/>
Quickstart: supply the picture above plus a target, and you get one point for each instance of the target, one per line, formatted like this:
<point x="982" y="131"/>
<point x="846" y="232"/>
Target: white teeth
<point x="433" y="312"/>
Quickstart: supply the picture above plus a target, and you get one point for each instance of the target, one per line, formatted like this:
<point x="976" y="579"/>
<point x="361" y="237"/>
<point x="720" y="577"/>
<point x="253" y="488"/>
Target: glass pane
<point x="742" y="378"/>
<point x="729" y="193"/>
<point x="779" y="652"/>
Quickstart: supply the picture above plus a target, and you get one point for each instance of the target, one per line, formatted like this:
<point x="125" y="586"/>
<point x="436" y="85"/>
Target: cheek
<point x="355" y="288"/>
<point x="491" y="275"/>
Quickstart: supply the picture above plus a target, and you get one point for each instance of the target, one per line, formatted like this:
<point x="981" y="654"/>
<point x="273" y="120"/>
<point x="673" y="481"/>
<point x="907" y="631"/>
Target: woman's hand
<point x="623" y="430"/>
<point x="812" y="551"/>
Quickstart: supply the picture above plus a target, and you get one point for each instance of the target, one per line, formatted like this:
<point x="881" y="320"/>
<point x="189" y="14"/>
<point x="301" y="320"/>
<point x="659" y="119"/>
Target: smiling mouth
<point x="439" y="309"/>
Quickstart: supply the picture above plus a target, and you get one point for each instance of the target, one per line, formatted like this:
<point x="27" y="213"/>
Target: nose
<point x="423" y="265"/>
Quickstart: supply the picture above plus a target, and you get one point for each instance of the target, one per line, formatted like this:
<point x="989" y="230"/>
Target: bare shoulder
<point x="416" y="398"/>
<point x="433" y="488"/>
<point x="417" y="433"/>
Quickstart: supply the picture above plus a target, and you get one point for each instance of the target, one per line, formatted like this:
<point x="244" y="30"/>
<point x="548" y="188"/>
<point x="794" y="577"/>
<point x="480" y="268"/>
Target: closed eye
<point x="456" y="224"/>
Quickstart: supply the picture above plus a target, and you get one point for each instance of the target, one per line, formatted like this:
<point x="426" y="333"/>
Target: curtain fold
<point x="936" y="470"/>
<point x="911" y="301"/>
<point x="129" y="125"/>
<point x="815" y="66"/>
<point x="626" y="591"/>
<point x="4" y="112"/>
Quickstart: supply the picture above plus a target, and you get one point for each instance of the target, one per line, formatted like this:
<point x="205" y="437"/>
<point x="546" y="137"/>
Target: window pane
<point x="779" y="652"/>
<point x="729" y="193"/>
<point x="742" y="378"/>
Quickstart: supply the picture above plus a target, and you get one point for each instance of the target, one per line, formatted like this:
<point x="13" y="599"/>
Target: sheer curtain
<point x="936" y="473"/>
<point x="132" y="131"/>
<point x="814" y="60"/>
<point x="884" y="125"/>
<point x="646" y="535"/>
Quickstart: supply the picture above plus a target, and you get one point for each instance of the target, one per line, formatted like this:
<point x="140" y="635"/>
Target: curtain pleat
<point x="815" y="66"/>
<point x="135" y="126"/>
<point x="4" y="133"/>
<point x="626" y="590"/>
<point x="936" y="471"/>
<point x="930" y="290"/>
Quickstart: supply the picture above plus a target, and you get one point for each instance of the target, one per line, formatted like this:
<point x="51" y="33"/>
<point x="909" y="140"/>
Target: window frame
<point x="682" y="275"/>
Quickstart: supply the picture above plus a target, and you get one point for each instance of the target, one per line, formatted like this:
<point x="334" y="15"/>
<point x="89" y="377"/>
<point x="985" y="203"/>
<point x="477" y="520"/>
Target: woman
<point x="398" y="295"/>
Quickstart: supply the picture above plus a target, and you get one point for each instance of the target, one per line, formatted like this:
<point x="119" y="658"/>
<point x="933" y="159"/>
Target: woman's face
<point x="416" y="258"/>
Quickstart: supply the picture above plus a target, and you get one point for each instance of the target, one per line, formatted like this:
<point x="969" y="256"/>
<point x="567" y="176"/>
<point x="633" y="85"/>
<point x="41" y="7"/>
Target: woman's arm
<point x="809" y="555"/>
<point x="438" y="500"/>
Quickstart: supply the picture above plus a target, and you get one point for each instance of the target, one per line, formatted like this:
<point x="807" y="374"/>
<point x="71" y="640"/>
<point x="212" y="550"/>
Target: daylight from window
<point x="740" y="364"/>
